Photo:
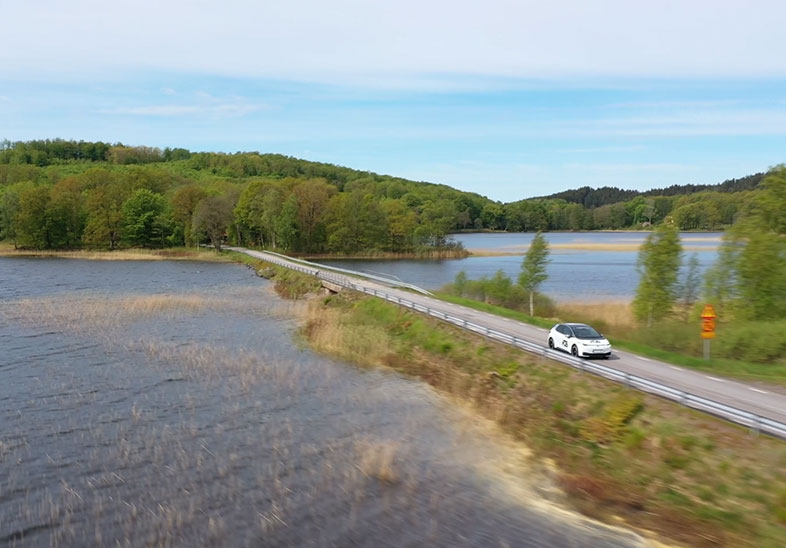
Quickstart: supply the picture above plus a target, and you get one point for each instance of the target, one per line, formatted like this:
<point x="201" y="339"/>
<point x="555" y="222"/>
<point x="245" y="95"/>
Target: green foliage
<point x="145" y="223"/>
<point x="658" y="266"/>
<point x="33" y="228"/>
<point x="286" y="227"/>
<point x="65" y="214"/>
<point x="184" y="203"/>
<point x="499" y="291"/>
<point x="609" y="425"/>
<point x="339" y="210"/>
<point x="212" y="217"/>
<point x="105" y="216"/>
<point x="691" y="283"/>
<point x="750" y="275"/>
<point x="9" y="209"/>
<point x="758" y="342"/>
<point x="533" y="268"/>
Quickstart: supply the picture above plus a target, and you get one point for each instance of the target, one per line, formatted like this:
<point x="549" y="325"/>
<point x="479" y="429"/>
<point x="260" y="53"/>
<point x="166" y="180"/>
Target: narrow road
<point x="756" y="400"/>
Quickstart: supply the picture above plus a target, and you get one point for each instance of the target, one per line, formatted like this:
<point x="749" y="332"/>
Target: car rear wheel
<point x="574" y="350"/>
<point x="551" y="343"/>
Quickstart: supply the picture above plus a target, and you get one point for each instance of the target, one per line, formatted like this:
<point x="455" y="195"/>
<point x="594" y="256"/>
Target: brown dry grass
<point x="617" y="315"/>
<point x="377" y="459"/>
<point x="121" y="255"/>
<point x="327" y="333"/>
<point x="522" y="249"/>
<point x="89" y="313"/>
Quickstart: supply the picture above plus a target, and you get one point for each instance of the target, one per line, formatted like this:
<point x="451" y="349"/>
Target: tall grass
<point x="170" y="254"/>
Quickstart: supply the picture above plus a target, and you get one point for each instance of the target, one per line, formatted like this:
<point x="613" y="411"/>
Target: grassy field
<point x="616" y="454"/>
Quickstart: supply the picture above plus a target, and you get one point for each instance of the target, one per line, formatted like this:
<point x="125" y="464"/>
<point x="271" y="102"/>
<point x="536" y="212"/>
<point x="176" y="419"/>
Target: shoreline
<point x="522" y="249"/>
<point x="167" y="254"/>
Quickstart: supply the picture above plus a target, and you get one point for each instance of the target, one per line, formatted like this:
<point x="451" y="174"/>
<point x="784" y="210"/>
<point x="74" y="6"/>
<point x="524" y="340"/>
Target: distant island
<point x="63" y="194"/>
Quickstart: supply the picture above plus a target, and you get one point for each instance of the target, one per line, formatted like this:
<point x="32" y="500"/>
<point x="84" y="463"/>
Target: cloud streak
<point x="401" y="43"/>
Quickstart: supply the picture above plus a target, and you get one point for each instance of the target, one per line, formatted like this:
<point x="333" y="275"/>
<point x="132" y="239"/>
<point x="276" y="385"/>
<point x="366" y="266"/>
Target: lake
<point x="586" y="267"/>
<point x="167" y="403"/>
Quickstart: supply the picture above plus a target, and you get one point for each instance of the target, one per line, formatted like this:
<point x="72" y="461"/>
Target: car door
<point x="557" y="336"/>
<point x="565" y="334"/>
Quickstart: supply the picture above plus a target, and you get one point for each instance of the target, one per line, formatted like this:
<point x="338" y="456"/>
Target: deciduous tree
<point x="533" y="268"/>
<point x="212" y="217"/>
<point x="658" y="266"/>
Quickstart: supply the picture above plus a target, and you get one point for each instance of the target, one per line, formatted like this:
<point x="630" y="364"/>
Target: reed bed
<point x="80" y="313"/>
<point x="177" y="254"/>
<point x="616" y="315"/>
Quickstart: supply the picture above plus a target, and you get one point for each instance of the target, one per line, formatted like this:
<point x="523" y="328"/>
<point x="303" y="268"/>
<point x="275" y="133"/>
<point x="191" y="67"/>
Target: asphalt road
<point x="760" y="400"/>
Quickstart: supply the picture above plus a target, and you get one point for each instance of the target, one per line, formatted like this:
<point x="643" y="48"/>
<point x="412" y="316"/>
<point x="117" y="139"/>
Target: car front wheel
<point x="574" y="350"/>
<point x="551" y="343"/>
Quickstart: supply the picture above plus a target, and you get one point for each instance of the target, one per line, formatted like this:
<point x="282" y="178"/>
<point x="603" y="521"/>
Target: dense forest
<point x="593" y="197"/>
<point x="59" y="194"/>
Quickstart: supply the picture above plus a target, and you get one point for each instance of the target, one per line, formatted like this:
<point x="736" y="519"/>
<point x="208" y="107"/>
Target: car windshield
<point x="585" y="332"/>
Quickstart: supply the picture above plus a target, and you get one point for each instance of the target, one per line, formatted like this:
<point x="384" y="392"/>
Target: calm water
<point x="575" y="274"/>
<point x="165" y="403"/>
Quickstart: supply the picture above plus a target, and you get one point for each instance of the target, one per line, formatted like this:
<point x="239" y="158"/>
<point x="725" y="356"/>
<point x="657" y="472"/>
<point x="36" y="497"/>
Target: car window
<point x="585" y="332"/>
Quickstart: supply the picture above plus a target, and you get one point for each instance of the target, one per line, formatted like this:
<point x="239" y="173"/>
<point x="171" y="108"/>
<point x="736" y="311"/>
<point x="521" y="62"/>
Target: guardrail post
<point x="756" y="427"/>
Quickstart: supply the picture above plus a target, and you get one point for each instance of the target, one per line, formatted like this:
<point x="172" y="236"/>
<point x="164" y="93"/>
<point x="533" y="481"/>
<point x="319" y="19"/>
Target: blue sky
<point x="510" y="99"/>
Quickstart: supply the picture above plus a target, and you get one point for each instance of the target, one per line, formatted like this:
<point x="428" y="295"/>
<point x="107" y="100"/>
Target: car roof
<point x="576" y="324"/>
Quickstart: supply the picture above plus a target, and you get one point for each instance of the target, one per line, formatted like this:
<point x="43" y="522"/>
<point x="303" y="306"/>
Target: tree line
<point x="110" y="205"/>
<point x="66" y="194"/>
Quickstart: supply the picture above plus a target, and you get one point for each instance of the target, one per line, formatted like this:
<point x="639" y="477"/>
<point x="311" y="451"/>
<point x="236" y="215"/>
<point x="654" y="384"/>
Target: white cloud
<point x="219" y="110"/>
<point x="398" y="43"/>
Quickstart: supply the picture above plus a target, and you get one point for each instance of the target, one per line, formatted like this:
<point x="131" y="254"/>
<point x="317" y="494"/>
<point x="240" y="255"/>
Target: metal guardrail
<point x="755" y="422"/>
<point x="383" y="279"/>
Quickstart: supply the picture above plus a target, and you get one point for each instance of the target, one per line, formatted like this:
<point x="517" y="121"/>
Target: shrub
<point x="760" y="342"/>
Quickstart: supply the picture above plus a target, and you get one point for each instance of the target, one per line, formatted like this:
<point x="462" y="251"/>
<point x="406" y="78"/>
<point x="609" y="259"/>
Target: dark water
<point x="167" y="403"/>
<point x="574" y="274"/>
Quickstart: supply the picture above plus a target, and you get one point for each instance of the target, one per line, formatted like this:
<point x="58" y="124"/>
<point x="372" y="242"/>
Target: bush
<point x="759" y="342"/>
<point x="499" y="290"/>
<point x="672" y="335"/>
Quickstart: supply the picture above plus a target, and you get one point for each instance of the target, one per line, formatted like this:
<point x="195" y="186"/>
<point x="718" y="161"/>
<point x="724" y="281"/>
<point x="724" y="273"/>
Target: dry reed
<point x="608" y="314"/>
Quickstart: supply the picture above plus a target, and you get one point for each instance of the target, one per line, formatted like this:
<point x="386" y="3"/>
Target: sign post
<point x="707" y="328"/>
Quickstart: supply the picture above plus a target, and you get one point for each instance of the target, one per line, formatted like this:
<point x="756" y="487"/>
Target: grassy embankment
<point x="619" y="455"/>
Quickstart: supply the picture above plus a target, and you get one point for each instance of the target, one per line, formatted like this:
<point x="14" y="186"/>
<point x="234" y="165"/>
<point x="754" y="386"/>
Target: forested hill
<point x="594" y="197"/>
<point x="68" y="194"/>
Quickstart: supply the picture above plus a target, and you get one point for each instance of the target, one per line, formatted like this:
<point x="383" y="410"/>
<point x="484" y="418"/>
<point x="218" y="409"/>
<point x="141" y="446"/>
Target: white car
<point x="580" y="340"/>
